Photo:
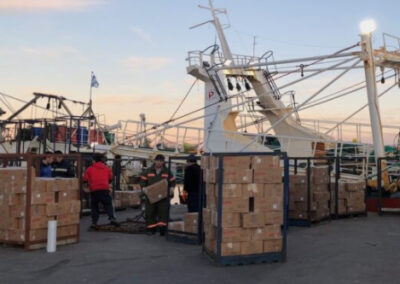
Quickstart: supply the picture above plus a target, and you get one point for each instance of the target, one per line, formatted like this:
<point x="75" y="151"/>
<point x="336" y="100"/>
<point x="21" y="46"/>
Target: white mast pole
<point x="224" y="44"/>
<point x="373" y="103"/>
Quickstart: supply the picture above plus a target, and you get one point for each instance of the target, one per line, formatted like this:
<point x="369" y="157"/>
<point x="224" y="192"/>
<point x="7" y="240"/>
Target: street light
<point x="367" y="26"/>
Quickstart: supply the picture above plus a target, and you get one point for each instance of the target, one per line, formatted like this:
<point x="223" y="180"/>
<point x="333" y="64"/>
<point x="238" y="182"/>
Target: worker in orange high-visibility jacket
<point x="156" y="214"/>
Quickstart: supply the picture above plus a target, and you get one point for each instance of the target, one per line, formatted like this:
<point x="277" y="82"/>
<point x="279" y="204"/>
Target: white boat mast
<point x="367" y="27"/>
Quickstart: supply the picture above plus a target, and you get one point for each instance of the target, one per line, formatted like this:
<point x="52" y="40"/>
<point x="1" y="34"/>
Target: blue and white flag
<point x="94" y="82"/>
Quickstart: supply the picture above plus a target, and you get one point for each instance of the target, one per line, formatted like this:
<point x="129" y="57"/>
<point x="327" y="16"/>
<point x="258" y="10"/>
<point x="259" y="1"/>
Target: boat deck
<point x="355" y="250"/>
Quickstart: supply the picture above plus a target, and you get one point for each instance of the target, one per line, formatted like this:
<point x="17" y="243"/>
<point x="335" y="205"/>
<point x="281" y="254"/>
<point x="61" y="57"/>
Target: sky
<point x="137" y="49"/>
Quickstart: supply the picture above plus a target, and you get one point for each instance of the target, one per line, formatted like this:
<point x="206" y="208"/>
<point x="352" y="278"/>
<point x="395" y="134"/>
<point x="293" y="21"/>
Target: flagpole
<point x="90" y="94"/>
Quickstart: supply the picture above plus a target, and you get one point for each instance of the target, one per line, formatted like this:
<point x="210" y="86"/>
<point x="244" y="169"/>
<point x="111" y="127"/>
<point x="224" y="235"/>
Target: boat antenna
<point x="218" y="27"/>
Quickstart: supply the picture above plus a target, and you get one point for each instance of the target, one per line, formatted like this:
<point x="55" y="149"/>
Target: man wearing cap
<point x="156" y="213"/>
<point x="191" y="183"/>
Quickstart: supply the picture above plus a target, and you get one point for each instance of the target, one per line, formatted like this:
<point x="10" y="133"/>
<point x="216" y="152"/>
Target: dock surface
<point x="354" y="250"/>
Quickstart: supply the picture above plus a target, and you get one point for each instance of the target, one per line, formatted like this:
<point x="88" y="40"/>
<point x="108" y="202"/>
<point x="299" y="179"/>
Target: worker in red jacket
<point x="98" y="176"/>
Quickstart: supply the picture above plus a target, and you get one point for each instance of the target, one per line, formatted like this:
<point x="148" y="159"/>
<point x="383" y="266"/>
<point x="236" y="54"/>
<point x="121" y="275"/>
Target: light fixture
<point x="238" y="86"/>
<point x="48" y="104"/>
<point x="247" y="85"/>
<point x="367" y="26"/>
<point x="230" y="85"/>
<point x="60" y="104"/>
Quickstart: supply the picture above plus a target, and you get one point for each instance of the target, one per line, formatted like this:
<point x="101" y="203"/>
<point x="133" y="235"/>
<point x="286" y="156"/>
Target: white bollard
<point x="51" y="236"/>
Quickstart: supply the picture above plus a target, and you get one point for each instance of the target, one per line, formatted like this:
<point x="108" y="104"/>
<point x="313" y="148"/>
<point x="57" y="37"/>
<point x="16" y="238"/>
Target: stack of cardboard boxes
<point x="351" y="197"/>
<point x="319" y="195"/>
<point x="124" y="199"/>
<point x="252" y="204"/>
<point x="190" y="224"/>
<point x="51" y="199"/>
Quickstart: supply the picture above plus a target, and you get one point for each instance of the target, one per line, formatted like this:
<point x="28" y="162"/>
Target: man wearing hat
<point x="156" y="213"/>
<point x="192" y="184"/>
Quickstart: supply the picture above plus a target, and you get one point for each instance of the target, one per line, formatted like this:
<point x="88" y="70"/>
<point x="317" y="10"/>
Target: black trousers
<point x="156" y="213"/>
<point x="103" y="197"/>
<point x="193" y="202"/>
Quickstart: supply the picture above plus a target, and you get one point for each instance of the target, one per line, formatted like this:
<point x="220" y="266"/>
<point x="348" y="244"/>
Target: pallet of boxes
<point x="187" y="230"/>
<point x="301" y="211"/>
<point x="244" y="215"/>
<point x="351" y="198"/>
<point x="24" y="220"/>
<point x="127" y="198"/>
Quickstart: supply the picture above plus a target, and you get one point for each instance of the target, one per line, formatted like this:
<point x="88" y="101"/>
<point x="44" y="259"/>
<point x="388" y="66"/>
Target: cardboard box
<point x="16" y="211"/>
<point x="157" y="191"/>
<point x="210" y="232"/>
<point x="252" y="190"/>
<point x="67" y="231"/>
<point x="211" y="201"/>
<point x="205" y="162"/>
<point x="266" y="232"/>
<point x="237" y="162"/>
<point x="298" y="179"/>
<point x="302" y="206"/>
<point x="210" y="189"/>
<point x="238" y="175"/>
<point x="274" y="203"/>
<point x="17" y="199"/>
<point x="191" y="219"/>
<point x="206" y="216"/>
<point x="191" y="229"/>
<point x="39" y="184"/>
<point x="273" y="218"/>
<point x="55" y="209"/>
<point x="42" y="197"/>
<point x="298" y="215"/>
<point x="235" y="205"/>
<point x="359" y="208"/>
<point x="273" y="245"/>
<point x="253" y="220"/>
<point x="230" y="190"/>
<point x="320" y="195"/>
<point x="251" y="247"/>
<point x="265" y="162"/>
<point x="273" y="175"/>
<point x="68" y="219"/>
<point x="210" y="175"/>
<point x="235" y="235"/>
<point x="273" y="190"/>
<point x="176" y="226"/>
<point x="321" y="187"/>
<point x="65" y="196"/>
<point x="213" y="162"/>
<point x="230" y="248"/>
<point x="228" y="220"/>
<point x="320" y="175"/>
<point x="355" y="186"/>
<point x="356" y="195"/>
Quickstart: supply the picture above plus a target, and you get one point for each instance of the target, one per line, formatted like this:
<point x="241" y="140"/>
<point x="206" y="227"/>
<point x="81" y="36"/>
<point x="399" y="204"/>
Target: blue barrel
<point x="82" y="136"/>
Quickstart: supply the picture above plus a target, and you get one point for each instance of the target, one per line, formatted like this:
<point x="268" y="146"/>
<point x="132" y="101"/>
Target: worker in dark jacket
<point x="45" y="166"/>
<point x="62" y="167"/>
<point x="192" y="184"/>
<point x="156" y="213"/>
<point x="98" y="176"/>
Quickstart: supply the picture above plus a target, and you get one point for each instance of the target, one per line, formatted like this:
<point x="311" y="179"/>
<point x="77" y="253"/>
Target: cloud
<point x="135" y="63"/>
<point x="46" y="5"/>
<point x="119" y="100"/>
<point x="141" y="33"/>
